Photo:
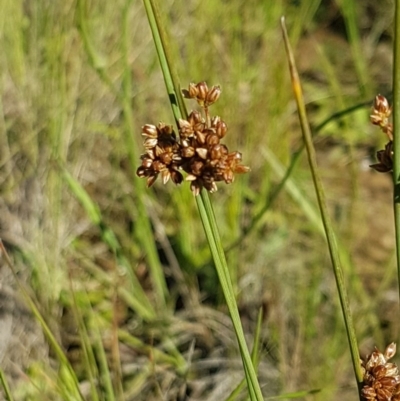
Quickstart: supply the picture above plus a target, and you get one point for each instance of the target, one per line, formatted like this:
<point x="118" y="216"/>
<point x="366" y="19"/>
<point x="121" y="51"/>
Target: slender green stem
<point x="254" y="357"/>
<point x="211" y="229"/>
<point x="330" y="236"/>
<point x="161" y="43"/>
<point x="6" y="388"/>
<point x="203" y="201"/>
<point x="396" y="131"/>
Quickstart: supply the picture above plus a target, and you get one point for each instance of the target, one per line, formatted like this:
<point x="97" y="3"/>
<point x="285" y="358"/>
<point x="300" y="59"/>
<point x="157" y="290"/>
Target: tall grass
<point x="122" y="275"/>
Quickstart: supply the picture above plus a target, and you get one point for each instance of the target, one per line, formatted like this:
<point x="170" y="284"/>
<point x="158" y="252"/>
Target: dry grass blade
<point x="62" y="358"/>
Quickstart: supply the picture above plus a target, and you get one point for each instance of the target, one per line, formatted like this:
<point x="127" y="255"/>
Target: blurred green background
<point x="123" y="274"/>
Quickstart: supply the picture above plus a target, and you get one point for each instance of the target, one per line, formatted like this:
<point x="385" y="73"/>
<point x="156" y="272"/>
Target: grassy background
<point x="130" y="292"/>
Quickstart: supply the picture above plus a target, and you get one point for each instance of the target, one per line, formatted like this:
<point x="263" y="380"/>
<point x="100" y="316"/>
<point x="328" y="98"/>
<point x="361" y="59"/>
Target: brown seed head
<point x="379" y="371"/>
<point x="147" y="162"/>
<point x="390" y="351"/>
<point x="221" y="128"/>
<point x="195" y="118"/>
<point x="149" y="131"/>
<point x="392" y="370"/>
<point x="176" y="177"/>
<point x="368" y="393"/>
<point x="212" y="139"/>
<point x="380" y="115"/>
<point x="150" y="143"/>
<point x="193" y="90"/>
<point x="196" y="167"/>
<point x="396" y="393"/>
<point x="197" y="151"/>
<point x="188" y="152"/>
<point x="201" y="137"/>
<point x="380" y="377"/>
<point x="217" y="152"/>
<point x="385" y="158"/>
<point x="381" y="105"/>
<point x="162" y="153"/>
<point x="202" y="153"/>
<point x="202" y="89"/>
<point x="213" y="95"/>
<point x="185" y="128"/>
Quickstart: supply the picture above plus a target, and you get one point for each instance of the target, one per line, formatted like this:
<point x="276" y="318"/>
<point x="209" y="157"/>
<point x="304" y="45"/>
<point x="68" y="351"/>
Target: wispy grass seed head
<point x="198" y="150"/>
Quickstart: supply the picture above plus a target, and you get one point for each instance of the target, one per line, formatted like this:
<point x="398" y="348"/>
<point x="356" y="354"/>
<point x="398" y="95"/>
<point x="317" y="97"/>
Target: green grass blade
<point x="396" y="131"/>
<point x="295" y="395"/>
<point x="158" y="356"/>
<point x="105" y="373"/>
<point x="331" y="239"/>
<point x="5" y="386"/>
<point x="89" y="360"/>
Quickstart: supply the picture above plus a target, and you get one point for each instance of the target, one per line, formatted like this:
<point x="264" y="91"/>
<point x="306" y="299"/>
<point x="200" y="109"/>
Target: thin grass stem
<point x="396" y="131"/>
<point x="89" y="360"/>
<point x="6" y="388"/>
<point x="211" y="230"/>
<point x="330" y="235"/>
<point x="203" y="201"/>
<point x="169" y="73"/>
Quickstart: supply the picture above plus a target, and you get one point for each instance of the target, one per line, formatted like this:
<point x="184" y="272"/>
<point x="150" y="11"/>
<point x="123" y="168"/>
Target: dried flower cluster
<point x="197" y="150"/>
<point x="381" y="380"/>
<point x="380" y="116"/>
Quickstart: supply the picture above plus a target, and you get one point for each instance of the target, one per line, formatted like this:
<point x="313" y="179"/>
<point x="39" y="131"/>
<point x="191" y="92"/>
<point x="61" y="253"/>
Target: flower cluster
<point x="381" y="381"/>
<point x="197" y="150"/>
<point x="380" y="116"/>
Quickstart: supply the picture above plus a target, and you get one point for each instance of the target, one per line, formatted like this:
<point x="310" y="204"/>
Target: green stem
<point x="203" y="201"/>
<point x="211" y="229"/>
<point x="330" y="236"/>
<point x="6" y="388"/>
<point x="396" y="131"/>
<point x="161" y="43"/>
